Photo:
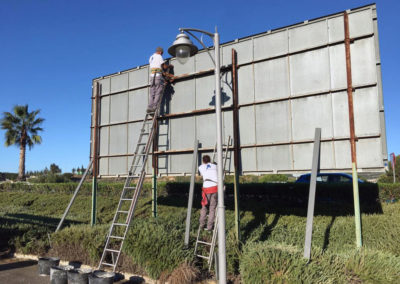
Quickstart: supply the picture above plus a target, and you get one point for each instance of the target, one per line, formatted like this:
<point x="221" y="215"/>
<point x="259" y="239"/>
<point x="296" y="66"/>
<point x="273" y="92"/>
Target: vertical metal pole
<point x="155" y="171"/>
<point x="236" y="144"/>
<point x="357" y="213"/>
<point x="95" y="152"/>
<point x="154" y="194"/>
<point x="393" y="159"/>
<point x="311" y="194"/>
<point x="191" y="190"/>
<point x="221" y="206"/>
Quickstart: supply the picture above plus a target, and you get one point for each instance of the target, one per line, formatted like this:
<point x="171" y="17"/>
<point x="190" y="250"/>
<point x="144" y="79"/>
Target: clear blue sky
<point x="50" y="51"/>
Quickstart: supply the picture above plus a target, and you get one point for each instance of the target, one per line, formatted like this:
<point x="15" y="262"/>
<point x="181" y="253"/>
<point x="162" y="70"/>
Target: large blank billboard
<point x="290" y="81"/>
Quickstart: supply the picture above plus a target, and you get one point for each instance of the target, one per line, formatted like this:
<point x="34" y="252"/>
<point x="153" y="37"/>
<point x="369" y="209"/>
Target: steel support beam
<point x="95" y="171"/>
<point x="311" y="194"/>
<point x="236" y="144"/>
<point x="357" y="213"/>
<point x="191" y="192"/>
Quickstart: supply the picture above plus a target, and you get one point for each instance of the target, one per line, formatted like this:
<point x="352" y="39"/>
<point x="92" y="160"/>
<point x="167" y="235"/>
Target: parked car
<point x="328" y="178"/>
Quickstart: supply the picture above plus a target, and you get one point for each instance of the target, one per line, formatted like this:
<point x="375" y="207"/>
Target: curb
<point x="126" y="275"/>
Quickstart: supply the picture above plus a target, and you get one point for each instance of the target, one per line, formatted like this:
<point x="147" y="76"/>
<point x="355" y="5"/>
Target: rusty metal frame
<point x="357" y="213"/>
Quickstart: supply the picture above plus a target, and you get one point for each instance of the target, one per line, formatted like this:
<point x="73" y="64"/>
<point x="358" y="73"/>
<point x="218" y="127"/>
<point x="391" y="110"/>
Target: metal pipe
<point x="95" y="153"/>
<point x="221" y="206"/>
<point x="191" y="192"/>
<point x="74" y="195"/>
<point x="236" y="143"/>
<point x="155" y="171"/>
<point x="311" y="194"/>
<point x="357" y="214"/>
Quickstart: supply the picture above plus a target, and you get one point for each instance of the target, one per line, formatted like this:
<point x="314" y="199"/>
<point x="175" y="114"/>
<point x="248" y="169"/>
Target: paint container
<point x="58" y="274"/>
<point x="78" y="276"/>
<point x="101" y="277"/>
<point x="45" y="263"/>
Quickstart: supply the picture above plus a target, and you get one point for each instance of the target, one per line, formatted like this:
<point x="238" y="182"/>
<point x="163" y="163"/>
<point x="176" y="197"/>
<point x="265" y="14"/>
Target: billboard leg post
<point x="237" y="210"/>
<point x="154" y="194"/>
<point x="94" y="197"/>
<point x="191" y="192"/>
<point x="357" y="213"/>
<point x="311" y="194"/>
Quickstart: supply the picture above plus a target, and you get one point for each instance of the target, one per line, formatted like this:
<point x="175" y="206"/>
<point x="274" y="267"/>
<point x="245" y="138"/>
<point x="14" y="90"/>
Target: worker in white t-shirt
<point x="157" y="64"/>
<point x="209" y="192"/>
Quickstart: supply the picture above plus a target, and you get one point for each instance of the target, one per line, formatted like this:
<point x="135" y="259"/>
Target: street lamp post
<point x="183" y="48"/>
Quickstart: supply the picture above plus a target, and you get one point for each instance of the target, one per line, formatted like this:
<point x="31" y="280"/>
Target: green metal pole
<point x="357" y="206"/>
<point x="237" y="211"/>
<point x="154" y="194"/>
<point x="94" y="199"/>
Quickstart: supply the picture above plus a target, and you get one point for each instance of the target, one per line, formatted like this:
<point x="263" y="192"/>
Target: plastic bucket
<point x="45" y="263"/>
<point x="78" y="276"/>
<point x="101" y="277"/>
<point x="58" y="274"/>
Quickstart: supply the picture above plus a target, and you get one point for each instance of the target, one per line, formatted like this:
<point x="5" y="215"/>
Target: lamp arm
<point x="201" y="42"/>
<point x="196" y="30"/>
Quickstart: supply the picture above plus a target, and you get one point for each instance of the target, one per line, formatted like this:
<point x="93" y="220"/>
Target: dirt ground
<point x="18" y="271"/>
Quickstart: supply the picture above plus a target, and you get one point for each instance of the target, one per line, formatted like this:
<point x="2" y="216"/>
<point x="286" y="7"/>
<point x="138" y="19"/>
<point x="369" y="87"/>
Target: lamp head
<point x="182" y="48"/>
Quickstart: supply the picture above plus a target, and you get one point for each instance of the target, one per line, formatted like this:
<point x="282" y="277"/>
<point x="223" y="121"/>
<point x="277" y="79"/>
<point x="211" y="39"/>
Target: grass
<point x="272" y="243"/>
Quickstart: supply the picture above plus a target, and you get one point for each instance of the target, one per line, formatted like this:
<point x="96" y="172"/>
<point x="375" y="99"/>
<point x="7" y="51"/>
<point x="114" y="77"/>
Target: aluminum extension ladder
<point x="226" y="156"/>
<point x="130" y="192"/>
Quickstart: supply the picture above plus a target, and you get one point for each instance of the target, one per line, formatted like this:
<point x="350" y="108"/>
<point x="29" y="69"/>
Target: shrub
<point x="157" y="245"/>
<point x="273" y="178"/>
<point x="266" y="262"/>
<point x="80" y="243"/>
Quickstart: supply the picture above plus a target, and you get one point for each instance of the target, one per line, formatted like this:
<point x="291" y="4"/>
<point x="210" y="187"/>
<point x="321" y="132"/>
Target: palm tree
<point x="22" y="128"/>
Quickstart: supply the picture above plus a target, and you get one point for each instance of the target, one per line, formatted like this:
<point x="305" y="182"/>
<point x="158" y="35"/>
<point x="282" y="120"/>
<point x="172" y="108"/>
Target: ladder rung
<point x="108" y="264"/>
<point x="112" y="250"/>
<point x="120" y="211"/>
<point x="130" y="187"/>
<point x="116" y="237"/>
<point x="126" y="199"/>
<point x="202" y="256"/>
<point x="205" y="243"/>
<point x="144" y="143"/>
<point x="144" y="154"/>
<point x="120" y="224"/>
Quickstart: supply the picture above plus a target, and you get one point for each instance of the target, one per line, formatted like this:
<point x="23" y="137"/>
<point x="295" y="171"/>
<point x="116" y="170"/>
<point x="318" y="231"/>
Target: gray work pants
<point x="212" y="203"/>
<point x="156" y="89"/>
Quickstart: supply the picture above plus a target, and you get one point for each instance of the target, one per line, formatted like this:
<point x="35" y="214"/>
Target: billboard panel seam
<point x="190" y="150"/>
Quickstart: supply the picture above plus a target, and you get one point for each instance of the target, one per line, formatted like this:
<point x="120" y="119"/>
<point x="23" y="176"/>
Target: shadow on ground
<point x="15" y="265"/>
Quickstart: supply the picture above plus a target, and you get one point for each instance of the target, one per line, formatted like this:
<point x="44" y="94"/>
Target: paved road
<point x="18" y="271"/>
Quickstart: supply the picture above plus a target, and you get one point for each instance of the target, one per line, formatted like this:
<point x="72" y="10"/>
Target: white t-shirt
<point x="209" y="174"/>
<point x="156" y="61"/>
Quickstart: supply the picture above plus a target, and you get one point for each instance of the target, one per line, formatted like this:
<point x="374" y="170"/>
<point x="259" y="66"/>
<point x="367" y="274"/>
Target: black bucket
<point x="101" y="277"/>
<point x="45" y="263"/>
<point x="78" y="276"/>
<point x="58" y="274"/>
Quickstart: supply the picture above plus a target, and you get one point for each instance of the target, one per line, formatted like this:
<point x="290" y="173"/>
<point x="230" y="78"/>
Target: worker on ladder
<point x="157" y="65"/>
<point x="209" y="193"/>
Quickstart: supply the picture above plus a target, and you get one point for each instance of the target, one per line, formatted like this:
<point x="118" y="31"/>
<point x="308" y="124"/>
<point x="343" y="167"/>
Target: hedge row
<point x="291" y="192"/>
<point x="298" y="192"/>
<point x="105" y="189"/>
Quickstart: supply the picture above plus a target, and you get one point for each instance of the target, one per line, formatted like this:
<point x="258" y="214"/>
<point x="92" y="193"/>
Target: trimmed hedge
<point x="104" y="188"/>
<point x="297" y="193"/>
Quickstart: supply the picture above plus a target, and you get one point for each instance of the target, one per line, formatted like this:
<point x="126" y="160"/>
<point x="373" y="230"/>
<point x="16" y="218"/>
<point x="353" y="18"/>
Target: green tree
<point x="22" y="129"/>
<point x="54" y="169"/>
